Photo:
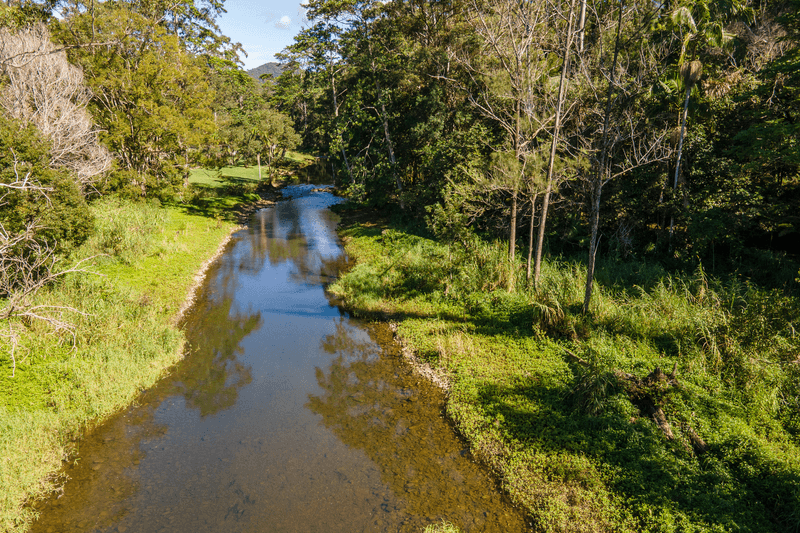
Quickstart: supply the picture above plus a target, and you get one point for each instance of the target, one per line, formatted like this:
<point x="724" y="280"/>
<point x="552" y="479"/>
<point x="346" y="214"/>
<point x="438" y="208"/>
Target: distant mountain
<point x="267" y="68"/>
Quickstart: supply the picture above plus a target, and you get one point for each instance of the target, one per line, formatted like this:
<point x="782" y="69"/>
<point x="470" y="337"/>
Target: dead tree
<point x="26" y="266"/>
<point x="46" y="90"/>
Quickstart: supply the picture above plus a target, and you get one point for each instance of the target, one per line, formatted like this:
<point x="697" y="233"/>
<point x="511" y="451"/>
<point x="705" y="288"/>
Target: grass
<point x="218" y="193"/>
<point x="567" y="438"/>
<point x="125" y="341"/>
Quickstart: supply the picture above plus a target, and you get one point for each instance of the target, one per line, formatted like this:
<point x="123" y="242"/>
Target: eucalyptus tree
<point x="506" y="77"/>
<point x="623" y="132"/>
<point x="318" y="50"/>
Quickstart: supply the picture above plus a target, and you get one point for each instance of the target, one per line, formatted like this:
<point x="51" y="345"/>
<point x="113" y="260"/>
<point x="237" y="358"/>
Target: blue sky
<point x="263" y="27"/>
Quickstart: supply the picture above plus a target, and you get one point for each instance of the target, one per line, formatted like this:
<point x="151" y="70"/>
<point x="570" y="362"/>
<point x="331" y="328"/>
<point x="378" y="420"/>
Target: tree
<point x="701" y="24"/>
<point x="149" y="94"/>
<point x="556" y="130"/>
<point x="274" y="134"/>
<point x="506" y="69"/>
<point x="629" y="137"/>
<point x="42" y="216"/>
<point x="45" y="90"/>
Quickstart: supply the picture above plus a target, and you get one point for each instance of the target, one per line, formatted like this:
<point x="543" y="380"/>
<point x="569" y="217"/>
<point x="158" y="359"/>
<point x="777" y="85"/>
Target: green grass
<point x="125" y="341"/>
<point x="443" y="527"/>
<point x="565" y="438"/>
<point x="284" y="168"/>
<point x="218" y="193"/>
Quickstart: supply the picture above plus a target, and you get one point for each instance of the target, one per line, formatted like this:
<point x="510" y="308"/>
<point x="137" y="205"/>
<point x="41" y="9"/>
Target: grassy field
<point x="125" y="339"/>
<point x="564" y="406"/>
<point x="218" y="193"/>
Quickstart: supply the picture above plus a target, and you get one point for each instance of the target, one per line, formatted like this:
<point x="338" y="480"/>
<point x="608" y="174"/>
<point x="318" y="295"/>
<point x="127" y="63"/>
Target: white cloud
<point x="283" y="23"/>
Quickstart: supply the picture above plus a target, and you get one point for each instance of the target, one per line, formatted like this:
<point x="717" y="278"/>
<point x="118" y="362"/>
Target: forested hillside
<point x="273" y="69"/>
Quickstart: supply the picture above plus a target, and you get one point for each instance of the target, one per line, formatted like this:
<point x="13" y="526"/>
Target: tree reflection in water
<point x="372" y="401"/>
<point x="211" y="380"/>
<point x="210" y="376"/>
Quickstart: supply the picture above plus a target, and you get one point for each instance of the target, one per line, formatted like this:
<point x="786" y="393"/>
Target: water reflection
<point x="211" y="382"/>
<point x="372" y="402"/>
<point x="283" y="416"/>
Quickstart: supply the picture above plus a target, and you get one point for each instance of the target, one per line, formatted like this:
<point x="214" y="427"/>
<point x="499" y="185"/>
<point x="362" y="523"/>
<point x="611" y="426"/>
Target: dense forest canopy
<point x="664" y="131"/>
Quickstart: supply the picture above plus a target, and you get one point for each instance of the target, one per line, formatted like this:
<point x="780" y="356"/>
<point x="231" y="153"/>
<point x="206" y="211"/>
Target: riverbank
<point x="556" y="403"/>
<point x="126" y="339"/>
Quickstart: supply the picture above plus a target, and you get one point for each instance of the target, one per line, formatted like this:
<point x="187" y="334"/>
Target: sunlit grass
<point x="566" y="440"/>
<point x="125" y="340"/>
<point x="442" y="527"/>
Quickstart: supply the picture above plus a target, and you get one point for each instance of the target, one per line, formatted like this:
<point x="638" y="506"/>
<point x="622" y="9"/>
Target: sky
<point x="264" y="27"/>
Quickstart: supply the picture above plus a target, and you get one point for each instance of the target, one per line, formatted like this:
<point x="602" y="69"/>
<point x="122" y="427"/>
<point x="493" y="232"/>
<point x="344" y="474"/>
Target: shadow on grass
<point x="743" y="482"/>
<point x="653" y="475"/>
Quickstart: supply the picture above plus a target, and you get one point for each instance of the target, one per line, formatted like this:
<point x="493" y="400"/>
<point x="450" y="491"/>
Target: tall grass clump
<point x="125" y="229"/>
<point x="442" y="527"/>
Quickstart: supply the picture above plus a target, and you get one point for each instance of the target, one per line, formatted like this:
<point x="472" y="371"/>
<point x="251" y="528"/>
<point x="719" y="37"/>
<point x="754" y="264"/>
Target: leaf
<point x="683" y="17"/>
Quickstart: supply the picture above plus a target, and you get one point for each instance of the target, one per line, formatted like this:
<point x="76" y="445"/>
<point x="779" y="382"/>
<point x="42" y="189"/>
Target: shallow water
<point x="285" y="414"/>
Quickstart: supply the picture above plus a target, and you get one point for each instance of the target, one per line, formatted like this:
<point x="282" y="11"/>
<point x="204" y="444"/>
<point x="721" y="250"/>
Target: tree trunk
<point x="601" y="171"/>
<point x="582" y="26"/>
<point x="258" y="158"/>
<point x="512" y="241"/>
<point x="678" y="162"/>
<point x="336" y="114"/>
<point x="593" y="244"/>
<point x="389" y="144"/>
<point x="530" y="238"/>
<point x="562" y="86"/>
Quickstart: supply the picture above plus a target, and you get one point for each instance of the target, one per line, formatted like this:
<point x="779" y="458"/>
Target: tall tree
<point x="149" y="93"/>
<point x="562" y="86"/>
<point x="629" y="137"/>
<point x="505" y="72"/>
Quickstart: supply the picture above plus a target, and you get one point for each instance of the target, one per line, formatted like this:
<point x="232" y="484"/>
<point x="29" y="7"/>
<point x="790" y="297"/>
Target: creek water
<point x="285" y="414"/>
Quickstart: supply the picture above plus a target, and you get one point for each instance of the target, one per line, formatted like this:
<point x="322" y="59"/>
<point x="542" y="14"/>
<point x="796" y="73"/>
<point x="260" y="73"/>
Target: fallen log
<point x="648" y="394"/>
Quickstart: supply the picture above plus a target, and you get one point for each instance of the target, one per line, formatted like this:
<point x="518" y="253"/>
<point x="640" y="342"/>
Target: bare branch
<point x="46" y="90"/>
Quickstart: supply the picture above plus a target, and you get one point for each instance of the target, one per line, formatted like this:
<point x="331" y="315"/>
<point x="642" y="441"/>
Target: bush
<point x="60" y="214"/>
<point x="124" y="228"/>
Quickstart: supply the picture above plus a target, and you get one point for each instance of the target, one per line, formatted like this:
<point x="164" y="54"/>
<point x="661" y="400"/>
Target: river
<point x="285" y="414"/>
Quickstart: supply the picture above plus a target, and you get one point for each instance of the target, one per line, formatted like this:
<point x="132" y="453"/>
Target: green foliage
<point x="566" y="438"/>
<point x="59" y="214"/>
<point x="150" y="95"/>
<point x="22" y="14"/>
